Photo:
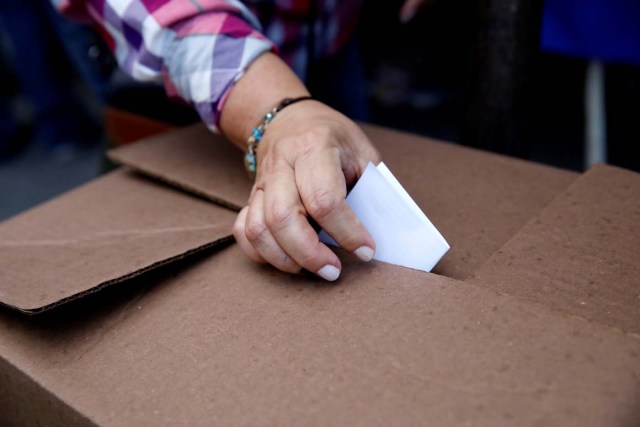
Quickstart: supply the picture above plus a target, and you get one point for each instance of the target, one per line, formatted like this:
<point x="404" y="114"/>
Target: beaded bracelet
<point x="250" y="162"/>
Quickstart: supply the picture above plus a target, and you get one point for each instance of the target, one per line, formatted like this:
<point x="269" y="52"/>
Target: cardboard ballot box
<point x="126" y="301"/>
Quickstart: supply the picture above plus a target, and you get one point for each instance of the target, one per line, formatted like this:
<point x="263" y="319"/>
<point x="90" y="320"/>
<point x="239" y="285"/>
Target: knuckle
<point x="322" y="203"/>
<point x="311" y="258"/>
<point x="255" y="232"/>
<point x="278" y="217"/>
<point x="308" y="261"/>
<point x="290" y="266"/>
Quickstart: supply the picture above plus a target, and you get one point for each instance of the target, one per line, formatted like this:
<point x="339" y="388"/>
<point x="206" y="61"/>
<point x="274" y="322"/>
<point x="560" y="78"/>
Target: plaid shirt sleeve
<point x="197" y="48"/>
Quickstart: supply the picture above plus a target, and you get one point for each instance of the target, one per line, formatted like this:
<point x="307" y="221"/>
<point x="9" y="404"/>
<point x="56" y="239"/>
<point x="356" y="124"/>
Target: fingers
<point x="322" y="188"/>
<point x="285" y="217"/>
<point x="241" y="238"/>
<point x="274" y="227"/>
<point x="262" y="240"/>
<point x="305" y="165"/>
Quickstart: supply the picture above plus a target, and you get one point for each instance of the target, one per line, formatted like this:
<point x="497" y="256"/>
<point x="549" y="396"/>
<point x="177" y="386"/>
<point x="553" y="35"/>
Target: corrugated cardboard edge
<point x="113" y="155"/>
<point x="121" y="155"/>
<point x="220" y="242"/>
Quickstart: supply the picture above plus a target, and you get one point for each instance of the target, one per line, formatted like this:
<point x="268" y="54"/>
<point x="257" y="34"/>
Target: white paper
<point x="402" y="232"/>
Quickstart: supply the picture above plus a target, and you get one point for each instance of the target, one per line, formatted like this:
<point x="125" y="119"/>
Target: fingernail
<point x="365" y="253"/>
<point x="329" y="273"/>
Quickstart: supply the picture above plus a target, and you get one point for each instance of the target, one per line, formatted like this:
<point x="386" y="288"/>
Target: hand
<point x="308" y="157"/>
<point x="410" y="8"/>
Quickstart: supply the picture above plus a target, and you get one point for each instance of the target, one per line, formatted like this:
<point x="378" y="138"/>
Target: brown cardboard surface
<point x="580" y="254"/>
<point x="227" y="342"/>
<point x="18" y="393"/>
<point x="476" y="199"/>
<point x="99" y="234"/>
<point x="193" y="159"/>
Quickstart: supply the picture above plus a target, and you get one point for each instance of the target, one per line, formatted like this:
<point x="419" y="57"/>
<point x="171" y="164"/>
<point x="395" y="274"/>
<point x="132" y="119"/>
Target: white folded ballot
<point x="402" y="232"/>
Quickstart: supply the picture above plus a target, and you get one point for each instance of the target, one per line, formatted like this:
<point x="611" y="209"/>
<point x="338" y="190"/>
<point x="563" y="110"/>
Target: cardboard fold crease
<point x="579" y="255"/>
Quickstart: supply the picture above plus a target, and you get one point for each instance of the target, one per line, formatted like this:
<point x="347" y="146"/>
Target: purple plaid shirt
<point x="199" y="48"/>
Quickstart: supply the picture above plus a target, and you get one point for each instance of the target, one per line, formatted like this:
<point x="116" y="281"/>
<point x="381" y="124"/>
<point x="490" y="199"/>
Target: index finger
<point x="323" y="189"/>
<point x="285" y="218"/>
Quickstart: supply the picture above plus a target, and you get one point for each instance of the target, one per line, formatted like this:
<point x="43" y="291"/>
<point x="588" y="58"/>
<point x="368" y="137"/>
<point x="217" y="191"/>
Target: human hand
<point x="410" y="8"/>
<point x="309" y="156"/>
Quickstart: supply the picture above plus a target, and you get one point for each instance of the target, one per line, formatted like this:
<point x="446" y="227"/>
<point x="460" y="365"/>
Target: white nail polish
<point x="328" y="272"/>
<point x="365" y="253"/>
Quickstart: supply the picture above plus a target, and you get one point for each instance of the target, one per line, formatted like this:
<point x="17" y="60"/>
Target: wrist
<point x="250" y="158"/>
<point x="263" y="86"/>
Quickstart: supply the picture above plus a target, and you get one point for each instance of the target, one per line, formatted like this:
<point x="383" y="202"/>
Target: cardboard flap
<point x="193" y="159"/>
<point x="114" y="228"/>
<point x="228" y="342"/>
<point x="476" y="199"/>
<point x="580" y="254"/>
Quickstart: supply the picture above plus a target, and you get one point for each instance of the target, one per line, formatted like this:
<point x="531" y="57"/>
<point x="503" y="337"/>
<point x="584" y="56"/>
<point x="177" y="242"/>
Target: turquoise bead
<point x="250" y="162"/>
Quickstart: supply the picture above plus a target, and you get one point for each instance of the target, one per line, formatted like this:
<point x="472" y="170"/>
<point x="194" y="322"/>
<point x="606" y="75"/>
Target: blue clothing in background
<point x="608" y="30"/>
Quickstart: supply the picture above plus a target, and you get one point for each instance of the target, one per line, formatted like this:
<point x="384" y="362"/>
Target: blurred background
<point x="555" y="82"/>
